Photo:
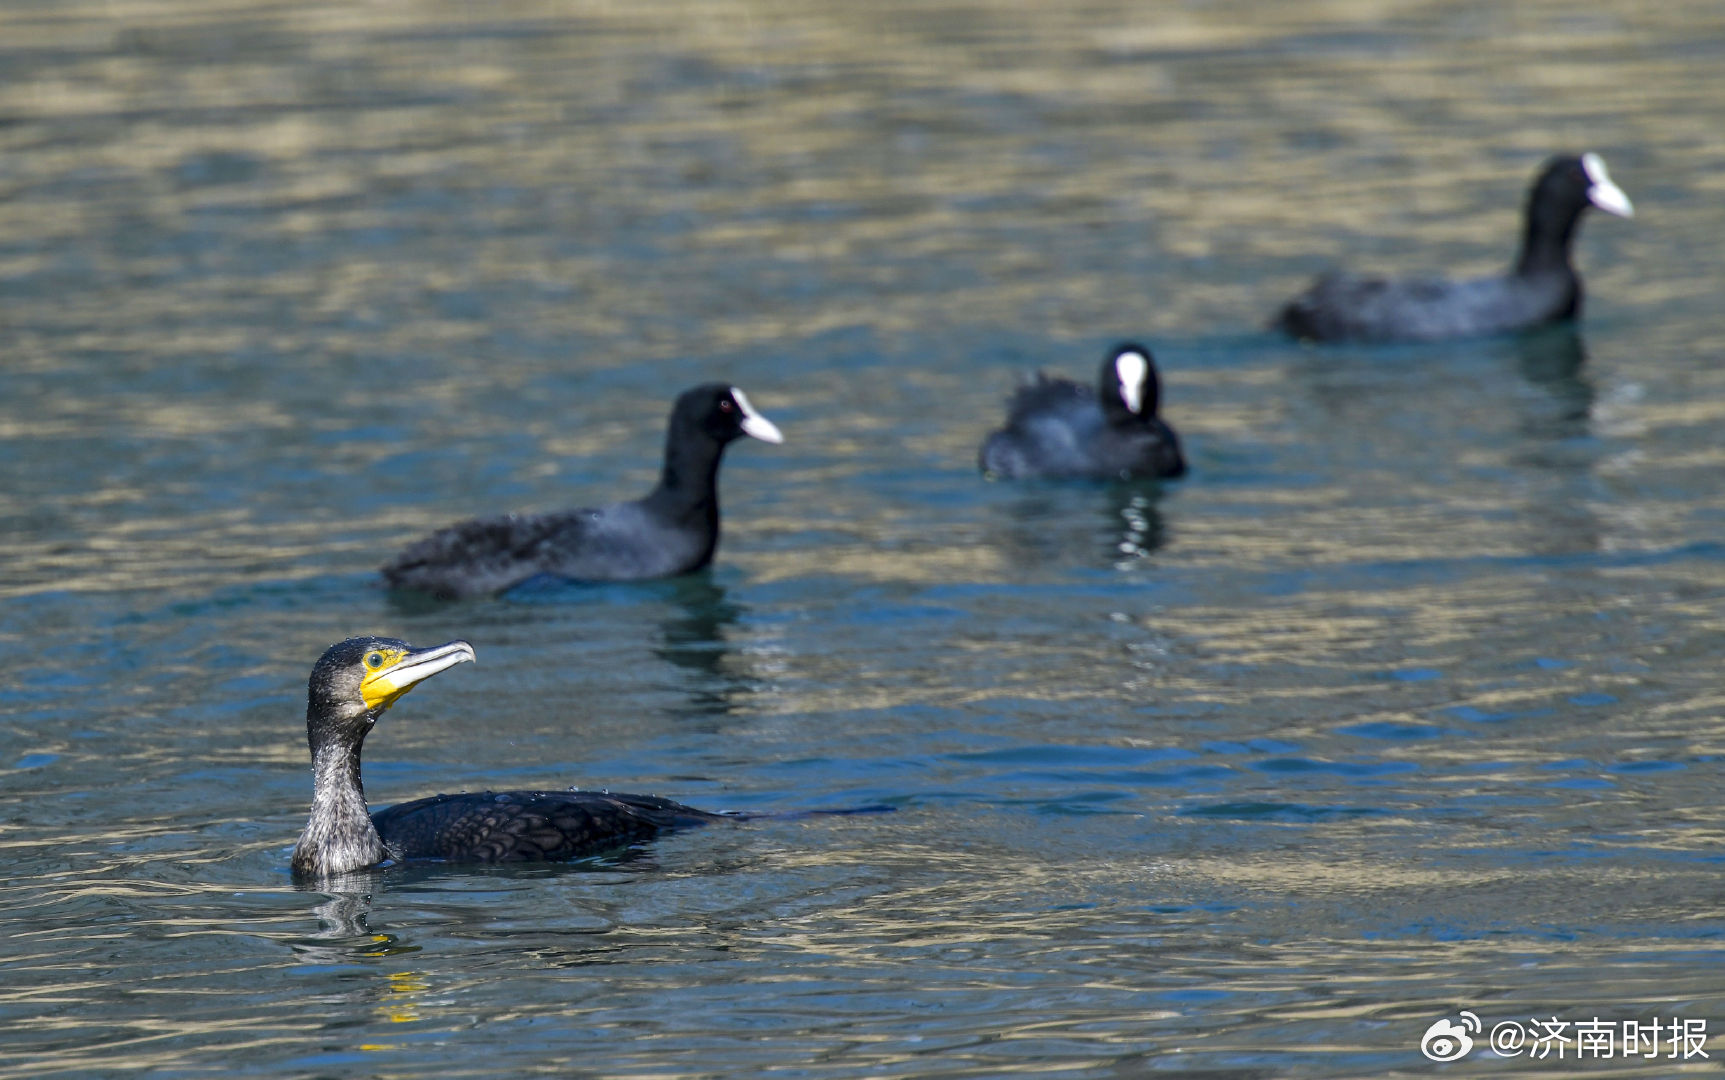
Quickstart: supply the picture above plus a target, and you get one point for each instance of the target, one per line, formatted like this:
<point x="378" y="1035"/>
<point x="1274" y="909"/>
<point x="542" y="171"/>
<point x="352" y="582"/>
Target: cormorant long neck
<point x="689" y="484"/>
<point x="340" y="836"/>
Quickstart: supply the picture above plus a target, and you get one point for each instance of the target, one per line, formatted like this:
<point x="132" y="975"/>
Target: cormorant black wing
<point x="527" y="826"/>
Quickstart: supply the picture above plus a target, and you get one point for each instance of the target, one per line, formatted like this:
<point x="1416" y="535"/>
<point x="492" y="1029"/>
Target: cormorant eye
<point x="374" y="660"/>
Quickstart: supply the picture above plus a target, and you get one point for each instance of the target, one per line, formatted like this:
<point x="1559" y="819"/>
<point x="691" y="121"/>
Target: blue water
<point x="1405" y="702"/>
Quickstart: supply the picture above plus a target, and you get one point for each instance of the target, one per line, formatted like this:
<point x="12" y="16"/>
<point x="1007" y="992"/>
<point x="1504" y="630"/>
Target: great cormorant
<point x="351" y="686"/>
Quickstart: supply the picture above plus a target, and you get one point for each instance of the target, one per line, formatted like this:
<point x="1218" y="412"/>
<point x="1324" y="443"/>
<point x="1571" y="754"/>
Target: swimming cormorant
<point x="1542" y="287"/>
<point x="1059" y="429"/>
<point x="351" y="686"/>
<point x="673" y="530"/>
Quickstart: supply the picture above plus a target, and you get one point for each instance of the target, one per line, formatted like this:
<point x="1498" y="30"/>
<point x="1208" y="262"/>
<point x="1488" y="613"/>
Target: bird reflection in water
<point x="1143" y="528"/>
<point x="1408" y="400"/>
<point x="344" y="932"/>
<point x="688" y="622"/>
<point x="1556" y="422"/>
<point x="344" y="935"/>
<point x="1102" y="525"/>
<point x="1475" y="412"/>
<point x="694" y="635"/>
<point x="1553" y="361"/>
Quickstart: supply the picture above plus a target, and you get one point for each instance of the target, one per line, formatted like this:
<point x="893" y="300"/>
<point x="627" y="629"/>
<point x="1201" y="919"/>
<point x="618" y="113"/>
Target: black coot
<point x="673" y="530"/>
<point x="1056" y="428"/>
<point x="1543" y="287"/>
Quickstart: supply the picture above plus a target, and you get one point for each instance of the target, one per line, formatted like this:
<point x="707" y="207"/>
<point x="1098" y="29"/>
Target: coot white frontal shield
<point x="1130" y="368"/>
<point x="1601" y="191"/>
<point x="754" y="424"/>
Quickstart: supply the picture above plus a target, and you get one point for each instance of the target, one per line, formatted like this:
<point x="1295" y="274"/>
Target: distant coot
<point x="674" y="530"/>
<point x="1542" y="288"/>
<point x="1058" y="429"/>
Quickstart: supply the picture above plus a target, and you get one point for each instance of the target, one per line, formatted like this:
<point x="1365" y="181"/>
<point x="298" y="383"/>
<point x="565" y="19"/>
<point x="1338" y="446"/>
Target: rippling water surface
<point x="1405" y="702"/>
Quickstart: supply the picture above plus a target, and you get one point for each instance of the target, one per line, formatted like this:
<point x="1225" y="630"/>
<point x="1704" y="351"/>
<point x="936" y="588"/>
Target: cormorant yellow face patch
<point x="379" y="686"/>
<point x="390" y="671"/>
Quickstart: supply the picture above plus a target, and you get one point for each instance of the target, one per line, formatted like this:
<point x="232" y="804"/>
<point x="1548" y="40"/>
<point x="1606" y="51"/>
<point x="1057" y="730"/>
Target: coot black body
<point x="673" y="530"/>
<point x="1059" y="429"/>
<point x="1542" y="287"/>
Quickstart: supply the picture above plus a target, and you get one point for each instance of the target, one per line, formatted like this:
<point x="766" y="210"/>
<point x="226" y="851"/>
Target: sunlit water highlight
<point x="1405" y="702"/>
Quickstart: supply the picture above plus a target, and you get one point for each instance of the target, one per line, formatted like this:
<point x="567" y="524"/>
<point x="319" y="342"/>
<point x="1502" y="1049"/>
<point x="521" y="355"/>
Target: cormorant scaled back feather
<point x="527" y="826"/>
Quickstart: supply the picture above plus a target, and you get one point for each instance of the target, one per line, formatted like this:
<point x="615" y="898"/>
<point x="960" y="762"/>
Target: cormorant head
<point x="723" y="413"/>
<point x="357" y="679"/>
<point x="1128" y="388"/>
